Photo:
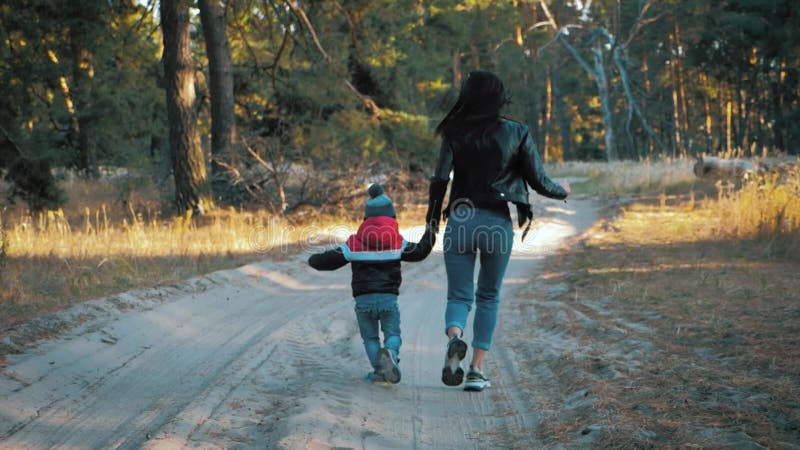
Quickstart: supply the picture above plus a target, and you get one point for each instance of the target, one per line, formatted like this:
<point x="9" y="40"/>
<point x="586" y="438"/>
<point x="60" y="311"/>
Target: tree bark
<point x="682" y="97"/>
<point x="709" y="124"/>
<point x="605" y="102"/>
<point x="646" y="76"/>
<point x="729" y="124"/>
<point x="82" y="158"/>
<point x="456" y="68"/>
<point x="777" y="112"/>
<point x="676" y="108"/>
<point x="188" y="161"/>
<point x="223" y="119"/>
<point x="547" y="113"/>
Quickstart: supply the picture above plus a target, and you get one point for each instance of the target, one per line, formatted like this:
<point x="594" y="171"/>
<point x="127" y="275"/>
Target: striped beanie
<point x="378" y="204"/>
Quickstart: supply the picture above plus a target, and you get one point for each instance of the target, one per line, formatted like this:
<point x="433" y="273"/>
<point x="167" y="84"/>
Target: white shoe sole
<point x="476" y="386"/>
<point x="389" y="369"/>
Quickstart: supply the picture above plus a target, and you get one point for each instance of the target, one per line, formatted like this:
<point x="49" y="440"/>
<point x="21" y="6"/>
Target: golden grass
<point x="625" y="177"/>
<point x="53" y="259"/>
<point x="706" y="277"/>
<point x="766" y="207"/>
<point x="112" y="237"/>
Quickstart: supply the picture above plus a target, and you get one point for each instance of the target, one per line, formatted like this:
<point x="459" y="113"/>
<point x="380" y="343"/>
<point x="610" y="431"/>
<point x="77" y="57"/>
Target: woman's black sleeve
<point x="534" y="173"/>
<point x="438" y="186"/>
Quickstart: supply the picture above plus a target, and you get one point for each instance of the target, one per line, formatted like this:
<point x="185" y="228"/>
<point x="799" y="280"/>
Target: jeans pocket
<point x="365" y="309"/>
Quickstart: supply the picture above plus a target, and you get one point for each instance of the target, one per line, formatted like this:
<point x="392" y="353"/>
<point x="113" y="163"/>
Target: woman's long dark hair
<point x="478" y="106"/>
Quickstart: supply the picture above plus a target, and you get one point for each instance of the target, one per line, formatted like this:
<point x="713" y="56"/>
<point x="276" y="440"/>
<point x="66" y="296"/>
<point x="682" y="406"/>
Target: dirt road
<point x="268" y="356"/>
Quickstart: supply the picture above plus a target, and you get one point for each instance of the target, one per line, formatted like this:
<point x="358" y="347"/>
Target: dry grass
<point x="113" y="236"/>
<point x="626" y="177"/>
<point x="766" y="208"/>
<point x="685" y="317"/>
<point x="103" y="243"/>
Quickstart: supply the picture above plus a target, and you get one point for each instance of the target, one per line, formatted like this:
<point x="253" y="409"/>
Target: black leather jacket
<point x="490" y="168"/>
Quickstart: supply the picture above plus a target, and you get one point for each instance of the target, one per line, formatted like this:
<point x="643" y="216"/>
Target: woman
<point x="492" y="159"/>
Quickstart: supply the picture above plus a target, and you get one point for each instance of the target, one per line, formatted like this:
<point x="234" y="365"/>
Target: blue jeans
<point x="472" y="233"/>
<point x="376" y="312"/>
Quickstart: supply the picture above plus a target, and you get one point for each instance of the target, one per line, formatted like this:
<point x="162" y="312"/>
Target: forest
<point x="283" y="103"/>
<point x="169" y="168"/>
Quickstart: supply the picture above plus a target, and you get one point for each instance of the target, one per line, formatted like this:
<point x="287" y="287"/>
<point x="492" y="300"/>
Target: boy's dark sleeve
<point x="329" y="260"/>
<point x="418" y="251"/>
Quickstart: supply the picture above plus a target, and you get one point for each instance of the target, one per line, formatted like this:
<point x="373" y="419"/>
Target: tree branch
<point x="294" y="6"/>
<point x="365" y="100"/>
<point x="18" y="150"/>
<point x="640" y="23"/>
<point x="549" y="16"/>
<point x="351" y="27"/>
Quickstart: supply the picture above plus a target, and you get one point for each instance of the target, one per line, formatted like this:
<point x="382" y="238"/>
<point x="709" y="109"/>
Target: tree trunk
<point x="547" y="113"/>
<point x="777" y="113"/>
<point x="683" y="101"/>
<point x="676" y="108"/>
<point x="707" y="111"/>
<point x="722" y="128"/>
<point x="605" y="102"/>
<point x="564" y="121"/>
<point x="646" y="76"/>
<point x="729" y="124"/>
<point x="83" y="158"/>
<point x="223" y="119"/>
<point x="188" y="161"/>
<point x="456" y="67"/>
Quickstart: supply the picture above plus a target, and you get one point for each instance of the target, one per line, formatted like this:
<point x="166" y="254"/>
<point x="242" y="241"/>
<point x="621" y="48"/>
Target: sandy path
<point x="268" y="356"/>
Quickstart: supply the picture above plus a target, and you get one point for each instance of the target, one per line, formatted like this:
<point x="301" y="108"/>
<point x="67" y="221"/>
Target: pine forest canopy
<point x="274" y="89"/>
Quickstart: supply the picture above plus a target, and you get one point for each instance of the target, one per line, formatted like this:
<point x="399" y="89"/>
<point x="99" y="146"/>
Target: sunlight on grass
<point x="52" y="259"/>
<point x="89" y="249"/>
<point x="624" y="177"/>
<point x="766" y="207"/>
<point x="681" y="309"/>
<point x="50" y="234"/>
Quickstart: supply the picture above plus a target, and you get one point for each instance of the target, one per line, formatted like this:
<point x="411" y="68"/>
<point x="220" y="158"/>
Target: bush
<point x="33" y="182"/>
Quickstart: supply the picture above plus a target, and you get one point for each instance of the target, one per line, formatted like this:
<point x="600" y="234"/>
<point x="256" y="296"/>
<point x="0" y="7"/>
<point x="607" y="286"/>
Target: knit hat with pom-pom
<point x="378" y="204"/>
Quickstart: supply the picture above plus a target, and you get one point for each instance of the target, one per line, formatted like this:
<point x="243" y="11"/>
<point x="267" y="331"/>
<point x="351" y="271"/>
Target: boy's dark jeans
<point x="376" y="312"/>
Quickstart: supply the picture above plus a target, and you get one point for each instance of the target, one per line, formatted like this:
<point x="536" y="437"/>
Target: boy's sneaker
<point x="376" y="378"/>
<point x="453" y="373"/>
<point x="388" y="364"/>
<point x="476" y="380"/>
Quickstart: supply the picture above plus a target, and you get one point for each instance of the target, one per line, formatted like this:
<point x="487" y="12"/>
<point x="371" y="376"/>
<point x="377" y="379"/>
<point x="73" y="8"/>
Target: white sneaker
<point x="476" y="380"/>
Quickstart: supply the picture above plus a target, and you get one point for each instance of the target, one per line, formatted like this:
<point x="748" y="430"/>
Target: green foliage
<point x="33" y="182"/>
<point x="84" y="66"/>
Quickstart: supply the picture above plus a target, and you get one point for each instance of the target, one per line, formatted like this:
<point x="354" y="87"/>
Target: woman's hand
<point x="564" y="184"/>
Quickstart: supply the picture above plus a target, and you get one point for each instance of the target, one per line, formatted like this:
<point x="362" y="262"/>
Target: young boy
<point x="375" y="252"/>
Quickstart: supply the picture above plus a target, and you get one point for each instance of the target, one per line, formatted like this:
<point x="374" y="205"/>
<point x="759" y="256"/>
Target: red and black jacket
<point x="375" y="252"/>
